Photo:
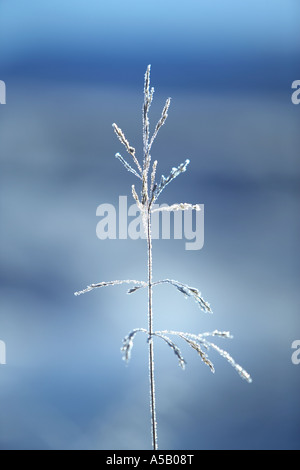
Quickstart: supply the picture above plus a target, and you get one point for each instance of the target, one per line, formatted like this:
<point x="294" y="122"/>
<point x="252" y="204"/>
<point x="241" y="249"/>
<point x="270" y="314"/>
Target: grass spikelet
<point x="188" y="291"/>
<point x="127" y="166"/>
<point x="182" y="206"/>
<point x="124" y="141"/>
<point x="173" y="174"/>
<point x="128" y="343"/>
<point x="109" y="283"/>
<point x="242" y="372"/>
<point x="197" y="348"/>
<point x="173" y="346"/>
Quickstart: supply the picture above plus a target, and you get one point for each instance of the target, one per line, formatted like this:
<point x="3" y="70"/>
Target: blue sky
<point x="250" y="44"/>
<point x="133" y="26"/>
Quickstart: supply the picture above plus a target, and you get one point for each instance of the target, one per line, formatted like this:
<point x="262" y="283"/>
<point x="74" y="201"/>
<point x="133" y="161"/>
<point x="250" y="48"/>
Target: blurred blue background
<point x="72" y="68"/>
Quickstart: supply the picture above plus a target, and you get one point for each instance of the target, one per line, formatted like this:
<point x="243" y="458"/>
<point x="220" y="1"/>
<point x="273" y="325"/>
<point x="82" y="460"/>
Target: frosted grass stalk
<point x="150" y="191"/>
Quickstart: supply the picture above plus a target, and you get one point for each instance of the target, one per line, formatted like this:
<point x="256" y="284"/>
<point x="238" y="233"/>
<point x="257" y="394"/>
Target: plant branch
<point x="110" y="283"/>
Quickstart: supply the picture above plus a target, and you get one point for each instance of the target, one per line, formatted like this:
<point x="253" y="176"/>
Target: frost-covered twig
<point x="173" y="346"/>
<point x="196" y="341"/>
<point x="182" y="206"/>
<point x="109" y="283"/>
<point x="161" y="122"/>
<point x="128" y="343"/>
<point x="188" y="291"/>
<point x="166" y="180"/>
<point x="124" y="141"/>
<point x="127" y="166"/>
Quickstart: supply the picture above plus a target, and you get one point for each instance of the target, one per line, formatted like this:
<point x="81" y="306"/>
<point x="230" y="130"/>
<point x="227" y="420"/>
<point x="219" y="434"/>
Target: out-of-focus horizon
<point x="71" y="69"/>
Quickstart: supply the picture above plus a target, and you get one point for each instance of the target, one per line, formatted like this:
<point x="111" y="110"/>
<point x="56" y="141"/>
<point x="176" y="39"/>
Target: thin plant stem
<point x="150" y="331"/>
